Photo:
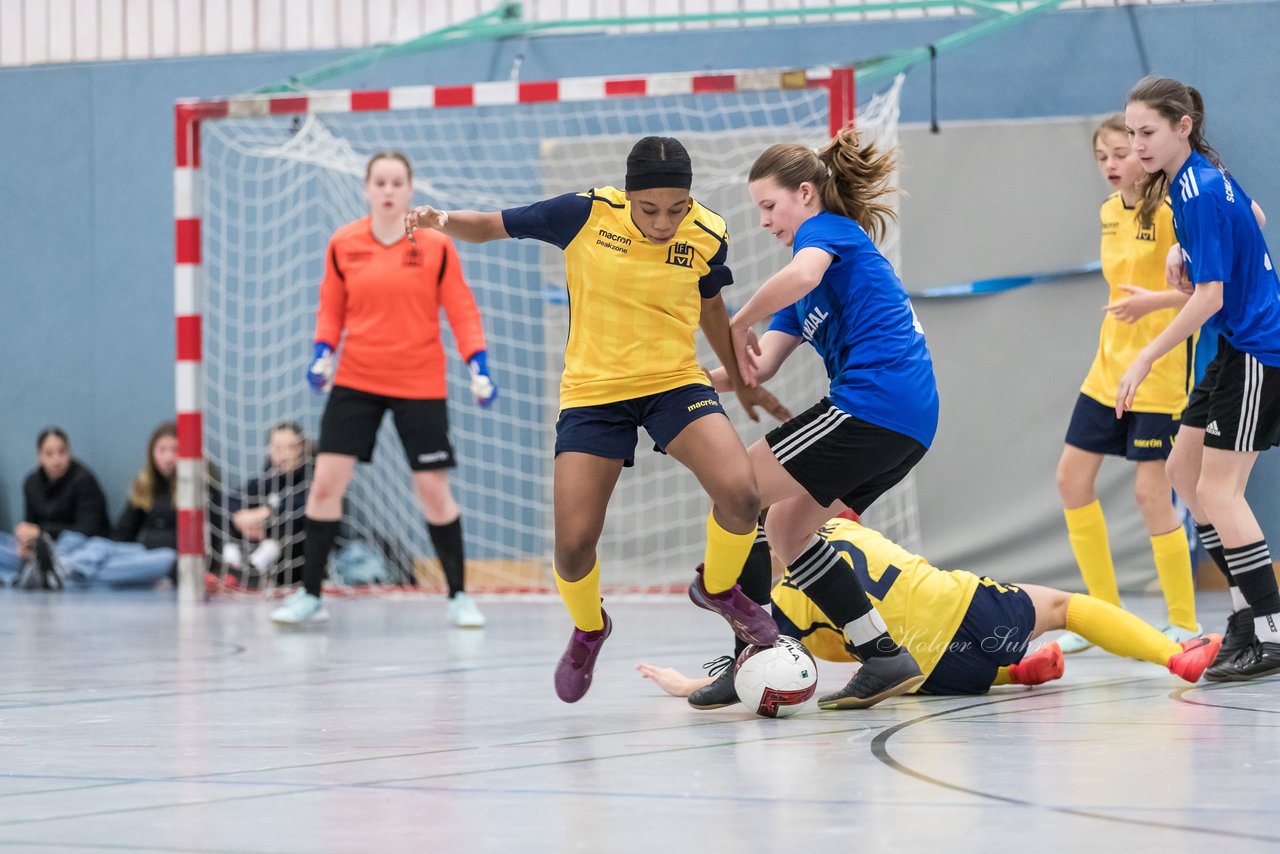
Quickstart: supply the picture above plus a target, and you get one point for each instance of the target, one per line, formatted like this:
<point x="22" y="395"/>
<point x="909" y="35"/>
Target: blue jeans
<point x="9" y="560"/>
<point x="97" y="561"/>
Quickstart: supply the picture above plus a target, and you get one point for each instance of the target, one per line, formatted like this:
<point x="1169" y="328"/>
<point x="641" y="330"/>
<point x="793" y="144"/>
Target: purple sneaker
<point x="750" y="622"/>
<point x="573" y="672"/>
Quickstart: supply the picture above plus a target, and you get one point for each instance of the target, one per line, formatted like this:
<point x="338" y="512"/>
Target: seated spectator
<point x="60" y="497"/>
<point x="268" y="515"/>
<point x="144" y="545"/>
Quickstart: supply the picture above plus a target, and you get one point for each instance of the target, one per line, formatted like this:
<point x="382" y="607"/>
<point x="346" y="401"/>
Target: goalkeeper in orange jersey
<point x="385" y="293"/>
<point x="645" y="266"/>
<point x="967" y="633"/>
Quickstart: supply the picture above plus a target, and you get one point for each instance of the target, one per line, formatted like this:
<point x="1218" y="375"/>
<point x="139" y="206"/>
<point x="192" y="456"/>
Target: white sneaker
<point x="464" y="614"/>
<point x="1178" y="634"/>
<point x="301" y="607"/>
<point x="1070" y="642"/>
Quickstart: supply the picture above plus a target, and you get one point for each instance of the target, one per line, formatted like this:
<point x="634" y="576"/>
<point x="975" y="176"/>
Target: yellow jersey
<point x="1133" y="255"/>
<point x="922" y="606"/>
<point x="634" y="305"/>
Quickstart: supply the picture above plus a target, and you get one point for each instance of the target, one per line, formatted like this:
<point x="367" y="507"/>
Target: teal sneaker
<point x="1178" y="634"/>
<point x="464" y="614"/>
<point x="1070" y="642"/>
<point x="300" y="608"/>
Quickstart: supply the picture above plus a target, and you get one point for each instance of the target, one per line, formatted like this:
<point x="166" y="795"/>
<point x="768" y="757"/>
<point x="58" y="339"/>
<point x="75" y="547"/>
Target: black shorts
<point x="1236" y="403"/>
<point x="351" y="420"/>
<point x="1196" y="412"/>
<point x="610" y="429"/>
<point x="994" y="633"/>
<point x="1138" y="436"/>
<point x="833" y="454"/>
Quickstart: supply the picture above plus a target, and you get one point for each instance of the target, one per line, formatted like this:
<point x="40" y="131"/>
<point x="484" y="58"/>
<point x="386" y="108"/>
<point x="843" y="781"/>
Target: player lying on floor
<point x="967" y="633"/>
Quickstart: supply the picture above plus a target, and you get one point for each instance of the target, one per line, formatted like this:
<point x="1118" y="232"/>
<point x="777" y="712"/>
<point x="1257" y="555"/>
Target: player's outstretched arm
<point x="471" y="226"/>
<point x="671" y="680"/>
<point x="1202" y="305"/>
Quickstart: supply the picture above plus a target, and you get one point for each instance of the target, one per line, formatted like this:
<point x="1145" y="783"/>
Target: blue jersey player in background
<point x="1234" y="412"/>
<point x="841" y="295"/>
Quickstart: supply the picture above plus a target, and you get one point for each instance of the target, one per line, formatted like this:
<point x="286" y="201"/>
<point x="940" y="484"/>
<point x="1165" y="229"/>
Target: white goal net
<point x="274" y="188"/>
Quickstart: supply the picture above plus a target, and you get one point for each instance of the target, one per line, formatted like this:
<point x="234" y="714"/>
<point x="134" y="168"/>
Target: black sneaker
<point x="877" y="679"/>
<point x="1258" y="659"/>
<point x="1237" y="636"/>
<point x="47" y="563"/>
<point x="719" y="693"/>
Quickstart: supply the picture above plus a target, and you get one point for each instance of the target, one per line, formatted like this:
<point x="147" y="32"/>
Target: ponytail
<point x="850" y="178"/>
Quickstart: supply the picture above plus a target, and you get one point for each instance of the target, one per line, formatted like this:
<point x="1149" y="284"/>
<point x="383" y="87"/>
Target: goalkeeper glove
<point x="483" y="388"/>
<point x="320" y="372"/>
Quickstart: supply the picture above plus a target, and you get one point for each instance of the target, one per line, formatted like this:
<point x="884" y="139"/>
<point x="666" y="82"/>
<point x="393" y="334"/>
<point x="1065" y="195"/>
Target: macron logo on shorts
<point x="1212" y="429"/>
<point x="433" y="457"/>
<point x="701" y="403"/>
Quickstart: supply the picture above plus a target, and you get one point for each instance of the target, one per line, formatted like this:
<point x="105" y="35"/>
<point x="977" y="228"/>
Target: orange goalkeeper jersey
<point x="388" y="300"/>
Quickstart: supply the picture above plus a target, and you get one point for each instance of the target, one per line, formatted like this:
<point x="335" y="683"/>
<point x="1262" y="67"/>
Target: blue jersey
<point x="1221" y="242"/>
<point x="861" y="322"/>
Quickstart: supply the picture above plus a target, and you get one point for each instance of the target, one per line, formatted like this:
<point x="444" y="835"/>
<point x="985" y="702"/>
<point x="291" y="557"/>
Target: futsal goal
<point x="261" y="182"/>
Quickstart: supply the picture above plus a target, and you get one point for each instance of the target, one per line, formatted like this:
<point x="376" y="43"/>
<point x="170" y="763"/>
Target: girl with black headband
<point x="645" y="266"/>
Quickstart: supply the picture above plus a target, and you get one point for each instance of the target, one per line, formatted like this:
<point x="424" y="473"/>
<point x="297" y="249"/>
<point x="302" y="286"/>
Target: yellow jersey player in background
<point x="645" y="266"/>
<point x="966" y="632"/>
<point x="1139" y="307"/>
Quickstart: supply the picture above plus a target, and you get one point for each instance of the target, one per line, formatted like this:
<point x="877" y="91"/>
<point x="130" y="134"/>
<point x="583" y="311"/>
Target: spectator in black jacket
<point x="61" y="495"/>
<point x="269" y="513"/>
<point x="142" y="550"/>
<point x="150" y="516"/>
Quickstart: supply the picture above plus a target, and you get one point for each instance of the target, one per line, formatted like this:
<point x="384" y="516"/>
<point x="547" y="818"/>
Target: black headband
<point x="651" y="174"/>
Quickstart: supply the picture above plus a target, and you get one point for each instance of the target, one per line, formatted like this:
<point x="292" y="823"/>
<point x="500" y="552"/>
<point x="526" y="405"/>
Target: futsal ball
<point x="775" y="681"/>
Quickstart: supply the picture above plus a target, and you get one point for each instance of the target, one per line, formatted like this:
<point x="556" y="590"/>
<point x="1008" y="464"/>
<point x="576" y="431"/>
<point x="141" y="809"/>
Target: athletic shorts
<point x="610" y="430"/>
<point x="351" y="420"/>
<point x="833" y="454"/>
<point x="1236" y="403"/>
<point x="1196" y="412"/>
<point x="1138" y="436"/>
<point x="994" y="633"/>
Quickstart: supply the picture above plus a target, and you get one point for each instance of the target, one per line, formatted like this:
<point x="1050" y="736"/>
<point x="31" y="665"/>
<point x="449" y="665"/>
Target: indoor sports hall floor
<point x="127" y="725"/>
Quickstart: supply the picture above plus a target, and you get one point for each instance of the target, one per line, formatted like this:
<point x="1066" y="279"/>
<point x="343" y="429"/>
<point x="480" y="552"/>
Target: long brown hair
<point x="142" y="493"/>
<point x="1172" y="100"/>
<point x="850" y="177"/>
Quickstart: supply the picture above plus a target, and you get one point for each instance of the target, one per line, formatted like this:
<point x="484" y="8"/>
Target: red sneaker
<point x="1197" y="654"/>
<point x="1044" y="665"/>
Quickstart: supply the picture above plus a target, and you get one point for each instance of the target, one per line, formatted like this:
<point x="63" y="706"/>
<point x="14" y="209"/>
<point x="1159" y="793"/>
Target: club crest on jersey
<point x="680" y="255"/>
<point x="413" y="258"/>
<point x="1147" y="233"/>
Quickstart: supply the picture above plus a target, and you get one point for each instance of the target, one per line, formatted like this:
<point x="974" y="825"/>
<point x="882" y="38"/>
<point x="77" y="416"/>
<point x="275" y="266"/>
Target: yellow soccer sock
<point x="582" y="598"/>
<point x="1173" y="565"/>
<point x="1117" y="631"/>
<point x="726" y="553"/>
<point x="1087" y="531"/>
<point x="1002" y="677"/>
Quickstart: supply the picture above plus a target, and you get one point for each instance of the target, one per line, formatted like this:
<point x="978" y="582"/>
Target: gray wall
<point x="86" y="328"/>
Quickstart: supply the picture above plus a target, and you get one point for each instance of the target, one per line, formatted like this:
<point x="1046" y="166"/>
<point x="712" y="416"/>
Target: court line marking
<point x="879" y="749"/>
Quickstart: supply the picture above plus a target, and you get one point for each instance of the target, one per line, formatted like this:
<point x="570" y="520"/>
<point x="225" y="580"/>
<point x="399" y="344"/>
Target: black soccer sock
<point x="825" y="578"/>
<point x="315" y="552"/>
<point x="756" y="580"/>
<point x="1208" y="536"/>
<point x="1251" y="568"/>
<point x="447" y="540"/>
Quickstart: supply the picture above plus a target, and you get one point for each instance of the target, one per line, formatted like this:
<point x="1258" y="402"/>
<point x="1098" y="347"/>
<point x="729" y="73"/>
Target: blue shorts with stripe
<point x="994" y="633"/>
<point x="610" y="430"/>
